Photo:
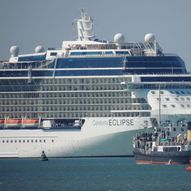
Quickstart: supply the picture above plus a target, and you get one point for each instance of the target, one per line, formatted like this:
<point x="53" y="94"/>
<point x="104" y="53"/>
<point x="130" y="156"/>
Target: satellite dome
<point x="119" y="38"/>
<point x="39" y="49"/>
<point x="149" y="38"/>
<point x="14" y="50"/>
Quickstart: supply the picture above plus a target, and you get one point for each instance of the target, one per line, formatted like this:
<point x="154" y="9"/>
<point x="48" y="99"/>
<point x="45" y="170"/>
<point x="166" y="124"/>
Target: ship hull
<point x="178" y="157"/>
<point x="92" y="140"/>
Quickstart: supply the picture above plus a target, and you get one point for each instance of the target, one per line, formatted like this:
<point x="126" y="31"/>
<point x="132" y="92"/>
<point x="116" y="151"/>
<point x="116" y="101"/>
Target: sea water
<point x="100" y="174"/>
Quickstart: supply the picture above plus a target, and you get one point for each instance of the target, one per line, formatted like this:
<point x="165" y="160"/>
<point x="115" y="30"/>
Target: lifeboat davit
<point x="12" y="123"/>
<point x="30" y="123"/>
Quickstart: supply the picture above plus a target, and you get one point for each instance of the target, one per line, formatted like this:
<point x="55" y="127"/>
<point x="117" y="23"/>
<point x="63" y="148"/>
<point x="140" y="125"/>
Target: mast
<point x="85" y="27"/>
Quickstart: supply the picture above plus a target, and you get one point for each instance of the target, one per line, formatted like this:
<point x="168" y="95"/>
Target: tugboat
<point x="43" y="156"/>
<point x="159" y="147"/>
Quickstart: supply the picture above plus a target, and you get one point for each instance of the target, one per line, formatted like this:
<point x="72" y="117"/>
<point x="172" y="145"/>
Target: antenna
<point x="85" y="27"/>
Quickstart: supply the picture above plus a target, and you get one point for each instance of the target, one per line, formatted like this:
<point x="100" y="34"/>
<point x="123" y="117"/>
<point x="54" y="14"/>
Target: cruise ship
<point x="89" y="97"/>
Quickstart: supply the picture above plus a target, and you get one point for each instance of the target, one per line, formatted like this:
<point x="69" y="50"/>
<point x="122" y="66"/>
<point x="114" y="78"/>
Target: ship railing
<point x="26" y="65"/>
<point x="155" y="85"/>
<point x="137" y="48"/>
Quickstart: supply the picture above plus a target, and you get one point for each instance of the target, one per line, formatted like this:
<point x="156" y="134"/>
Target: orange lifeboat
<point x="30" y="122"/>
<point x="1" y="122"/>
<point x="12" y="123"/>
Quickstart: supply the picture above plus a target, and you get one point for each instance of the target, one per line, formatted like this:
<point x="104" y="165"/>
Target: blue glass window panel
<point x="108" y="52"/>
<point x="32" y="58"/>
<point x="85" y="53"/>
<point x="154" y="61"/>
<point x="122" y="52"/>
<point x="90" y="62"/>
<point x="166" y="79"/>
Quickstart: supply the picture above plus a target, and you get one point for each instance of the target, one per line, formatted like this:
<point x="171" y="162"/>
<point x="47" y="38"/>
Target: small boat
<point x="43" y="156"/>
<point x="155" y="148"/>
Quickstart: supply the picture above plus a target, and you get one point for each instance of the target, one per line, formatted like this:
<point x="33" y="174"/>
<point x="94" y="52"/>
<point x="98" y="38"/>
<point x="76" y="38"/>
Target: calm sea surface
<point x="91" y="174"/>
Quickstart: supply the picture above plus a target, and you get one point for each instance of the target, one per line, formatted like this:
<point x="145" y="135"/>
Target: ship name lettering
<point x="119" y="122"/>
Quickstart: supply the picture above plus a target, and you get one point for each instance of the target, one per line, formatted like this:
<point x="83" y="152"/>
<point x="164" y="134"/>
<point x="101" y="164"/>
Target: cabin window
<point x="53" y="53"/>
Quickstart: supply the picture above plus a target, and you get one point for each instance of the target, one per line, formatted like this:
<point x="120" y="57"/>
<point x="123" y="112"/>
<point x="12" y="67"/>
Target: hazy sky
<point x="28" y="23"/>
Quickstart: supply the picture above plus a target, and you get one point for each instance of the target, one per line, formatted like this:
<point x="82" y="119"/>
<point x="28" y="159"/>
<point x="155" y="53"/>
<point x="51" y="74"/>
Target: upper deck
<point x="90" y="56"/>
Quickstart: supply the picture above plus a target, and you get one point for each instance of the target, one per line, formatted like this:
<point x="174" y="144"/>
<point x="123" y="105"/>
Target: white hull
<point x="95" y="138"/>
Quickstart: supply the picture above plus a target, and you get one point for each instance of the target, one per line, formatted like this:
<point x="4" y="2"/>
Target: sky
<point x="28" y="23"/>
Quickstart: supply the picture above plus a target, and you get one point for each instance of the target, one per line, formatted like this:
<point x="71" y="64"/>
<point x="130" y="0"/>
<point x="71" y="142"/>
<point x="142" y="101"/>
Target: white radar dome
<point x="39" y="49"/>
<point x="119" y="38"/>
<point x="14" y="50"/>
<point x="149" y="38"/>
